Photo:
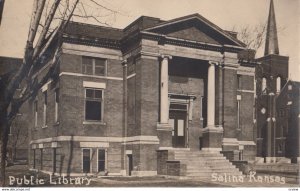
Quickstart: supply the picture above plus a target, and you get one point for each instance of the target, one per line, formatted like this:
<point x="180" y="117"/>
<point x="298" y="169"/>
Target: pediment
<point x="195" y="28"/>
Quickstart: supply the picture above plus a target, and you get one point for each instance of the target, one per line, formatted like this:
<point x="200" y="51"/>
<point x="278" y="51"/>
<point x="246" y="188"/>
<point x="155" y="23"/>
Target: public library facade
<point x="122" y="96"/>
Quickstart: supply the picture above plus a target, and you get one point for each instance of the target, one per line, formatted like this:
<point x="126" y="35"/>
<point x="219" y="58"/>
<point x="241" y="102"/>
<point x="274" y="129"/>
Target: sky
<point x="227" y="14"/>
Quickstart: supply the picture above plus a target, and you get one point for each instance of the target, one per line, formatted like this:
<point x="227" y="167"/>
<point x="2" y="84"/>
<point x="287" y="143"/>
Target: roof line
<point x="94" y="25"/>
<point x="201" y="18"/>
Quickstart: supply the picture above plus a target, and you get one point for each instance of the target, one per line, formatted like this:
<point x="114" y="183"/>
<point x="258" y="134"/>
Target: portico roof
<point x="202" y="24"/>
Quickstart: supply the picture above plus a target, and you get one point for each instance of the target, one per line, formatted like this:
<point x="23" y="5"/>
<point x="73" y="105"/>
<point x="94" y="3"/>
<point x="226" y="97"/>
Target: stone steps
<point x="203" y="164"/>
<point x="211" y="167"/>
<point x="199" y="158"/>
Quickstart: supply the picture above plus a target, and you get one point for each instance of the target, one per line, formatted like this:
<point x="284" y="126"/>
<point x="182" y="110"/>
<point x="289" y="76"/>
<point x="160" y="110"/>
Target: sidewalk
<point x="162" y="181"/>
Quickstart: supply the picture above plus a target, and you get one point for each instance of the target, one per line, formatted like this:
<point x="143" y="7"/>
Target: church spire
<point x="271" y="46"/>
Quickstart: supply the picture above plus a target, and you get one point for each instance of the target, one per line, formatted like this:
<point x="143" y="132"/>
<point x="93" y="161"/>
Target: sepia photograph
<point x="101" y="94"/>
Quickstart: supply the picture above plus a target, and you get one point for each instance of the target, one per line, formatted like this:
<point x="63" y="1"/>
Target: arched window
<point x="263" y="84"/>
<point x="278" y="84"/>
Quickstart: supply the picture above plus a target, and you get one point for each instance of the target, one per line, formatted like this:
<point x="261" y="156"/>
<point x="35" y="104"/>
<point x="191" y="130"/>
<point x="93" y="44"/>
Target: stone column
<point x="164" y="98"/>
<point x="124" y="165"/>
<point x="211" y="95"/>
<point x="164" y="129"/>
<point x="212" y="135"/>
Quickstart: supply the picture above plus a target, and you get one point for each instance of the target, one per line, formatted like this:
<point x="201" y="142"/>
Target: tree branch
<point x="36" y="17"/>
<point x="31" y="91"/>
<point x="47" y="24"/>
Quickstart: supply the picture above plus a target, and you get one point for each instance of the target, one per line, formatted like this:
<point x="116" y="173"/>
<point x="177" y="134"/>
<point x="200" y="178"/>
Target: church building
<point x="277" y="102"/>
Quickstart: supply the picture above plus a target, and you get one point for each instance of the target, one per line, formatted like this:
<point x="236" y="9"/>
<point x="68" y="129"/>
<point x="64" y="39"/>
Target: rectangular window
<point x="93" y="66"/>
<point x="45" y="110"/>
<point x="93" y="104"/>
<point x="100" y="67"/>
<point x="41" y="161"/>
<point x="54" y="160"/>
<point x="34" y="158"/>
<point x="86" y="160"/>
<point x="56" y="105"/>
<point x="172" y="123"/>
<point x="201" y="107"/>
<point x="239" y="82"/>
<point x="238" y="114"/>
<point x="101" y="160"/>
<point x="180" y="127"/>
<point x="35" y="105"/>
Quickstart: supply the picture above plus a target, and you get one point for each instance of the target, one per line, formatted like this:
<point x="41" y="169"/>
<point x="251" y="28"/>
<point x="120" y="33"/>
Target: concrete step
<point x="199" y="158"/>
<point x="218" y="162"/>
<point x="213" y="171"/>
<point x="199" y="166"/>
<point x="197" y="153"/>
<point x="203" y="163"/>
<point x="210" y="167"/>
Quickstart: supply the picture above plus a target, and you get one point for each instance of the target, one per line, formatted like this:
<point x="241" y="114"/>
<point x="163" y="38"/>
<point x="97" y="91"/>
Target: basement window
<point x="101" y="160"/>
<point x="86" y="160"/>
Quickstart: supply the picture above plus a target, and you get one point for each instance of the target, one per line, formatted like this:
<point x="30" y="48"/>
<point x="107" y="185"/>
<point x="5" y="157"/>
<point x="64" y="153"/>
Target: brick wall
<point x="230" y="103"/>
<point x="147" y="95"/>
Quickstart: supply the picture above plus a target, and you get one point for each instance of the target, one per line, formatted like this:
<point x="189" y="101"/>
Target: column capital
<point x="163" y="56"/>
<point x="210" y="62"/>
<point x="124" y="62"/>
<point x="216" y="63"/>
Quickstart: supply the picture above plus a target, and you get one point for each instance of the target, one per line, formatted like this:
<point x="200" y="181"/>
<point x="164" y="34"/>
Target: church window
<point x="264" y="85"/>
<point x="278" y="84"/>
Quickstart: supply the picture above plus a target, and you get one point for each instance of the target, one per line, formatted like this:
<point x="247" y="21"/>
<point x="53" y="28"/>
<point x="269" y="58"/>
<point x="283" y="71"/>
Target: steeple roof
<point x="271" y="46"/>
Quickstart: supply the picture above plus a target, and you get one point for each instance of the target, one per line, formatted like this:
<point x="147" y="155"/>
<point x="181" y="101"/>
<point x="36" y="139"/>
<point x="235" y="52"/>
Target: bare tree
<point x="18" y="135"/>
<point x="252" y="36"/>
<point x="49" y="19"/>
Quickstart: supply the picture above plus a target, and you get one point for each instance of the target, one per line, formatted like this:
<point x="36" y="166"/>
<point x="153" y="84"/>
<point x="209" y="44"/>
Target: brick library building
<point x="176" y="97"/>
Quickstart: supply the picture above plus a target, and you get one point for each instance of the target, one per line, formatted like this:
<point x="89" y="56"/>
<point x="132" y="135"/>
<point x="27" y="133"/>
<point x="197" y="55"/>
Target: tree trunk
<point x="4" y="139"/>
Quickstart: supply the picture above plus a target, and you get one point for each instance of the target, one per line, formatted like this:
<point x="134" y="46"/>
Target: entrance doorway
<point x="177" y="119"/>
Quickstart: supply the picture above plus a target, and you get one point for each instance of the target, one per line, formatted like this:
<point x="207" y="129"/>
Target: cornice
<point x="99" y="42"/>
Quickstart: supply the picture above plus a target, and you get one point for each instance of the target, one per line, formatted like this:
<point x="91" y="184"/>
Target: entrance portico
<point x="177" y="105"/>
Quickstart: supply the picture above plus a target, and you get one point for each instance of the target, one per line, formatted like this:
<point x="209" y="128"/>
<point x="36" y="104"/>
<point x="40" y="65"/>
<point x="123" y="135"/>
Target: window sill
<point x="93" y="123"/>
<point x="43" y="127"/>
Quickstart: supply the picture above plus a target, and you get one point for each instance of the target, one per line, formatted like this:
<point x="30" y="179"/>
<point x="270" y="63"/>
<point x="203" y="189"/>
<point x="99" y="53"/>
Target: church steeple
<point x="271" y="46"/>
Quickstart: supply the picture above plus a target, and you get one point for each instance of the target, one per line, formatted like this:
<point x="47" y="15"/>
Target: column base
<point x="164" y="133"/>
<point x="259" y="160"/>
<point x="123" y="172"/>
<point x="270" y="159"/>
<point x="212" y="138"/>
<point x="164" y="127"/>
